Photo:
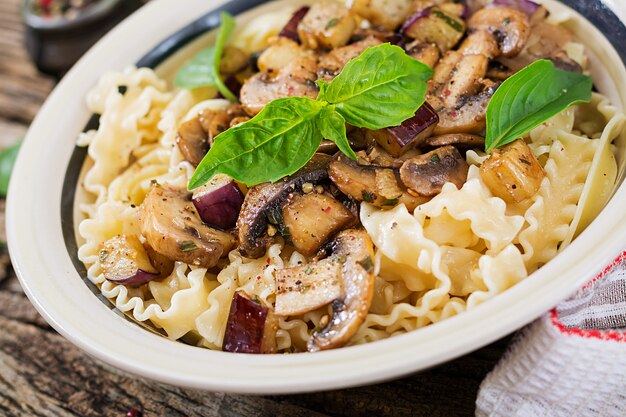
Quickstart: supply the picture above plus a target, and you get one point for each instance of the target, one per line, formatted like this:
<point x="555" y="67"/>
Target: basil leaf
<point x="204" y="69"/>
<point x="381" y="87"/>
<point x="333" y="127"/>
<point x="7" y="160"/>
<point x="275" y="143"/>
<point x="529" y="98"/>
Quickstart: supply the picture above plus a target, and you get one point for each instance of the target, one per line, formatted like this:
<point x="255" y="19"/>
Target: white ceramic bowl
<point x="51" y="281"/>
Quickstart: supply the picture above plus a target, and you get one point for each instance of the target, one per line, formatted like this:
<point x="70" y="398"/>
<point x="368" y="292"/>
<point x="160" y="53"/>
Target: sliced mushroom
<point x="459" y="140"/>
<point x="344" y="278"/>
<point x="469" y="116"/>
<point x="195" y="136"/>
<point x="359" y="182"/>
<point x="465" y="79"/>
<point x="357" y="277"/>
<point x="266" y="199"/>
<point x="426" y="174"/>
<point x="312" y="218"/>
<point x="509" y="27"/>
<point x="426" y="53"/>
<point x="331" y="64"/>
<point x="326" y="26"/>
<point x="172" y="227"/>
<point x="296" y="79"/>
<point x="480" y="43"/>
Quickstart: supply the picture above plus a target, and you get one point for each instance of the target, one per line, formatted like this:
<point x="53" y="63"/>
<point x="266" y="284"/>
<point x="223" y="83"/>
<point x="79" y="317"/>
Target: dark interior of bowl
<point x="595" y="11"/>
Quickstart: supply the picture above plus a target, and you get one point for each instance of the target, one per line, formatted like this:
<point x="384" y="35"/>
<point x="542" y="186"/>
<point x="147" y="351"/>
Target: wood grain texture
<point x="42" y="374"/>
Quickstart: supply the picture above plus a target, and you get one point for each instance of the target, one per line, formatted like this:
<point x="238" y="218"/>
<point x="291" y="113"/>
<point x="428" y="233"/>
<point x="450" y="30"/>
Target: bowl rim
<point x="38" y="253"/>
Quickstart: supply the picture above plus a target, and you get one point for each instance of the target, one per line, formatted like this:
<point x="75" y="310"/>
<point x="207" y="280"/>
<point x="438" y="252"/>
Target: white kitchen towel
<point x="569" y="363"/>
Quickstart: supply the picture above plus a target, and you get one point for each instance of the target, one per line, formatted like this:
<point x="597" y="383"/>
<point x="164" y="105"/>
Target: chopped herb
<point x="367" y="264"/>
<point x="332" y="23"/>
<point x="309" y="271"/>
<point x="525" y="161"/>
<point x="187" y="246"/>
<point x="391" y="202"/>
<point x="368" y="196"/>
<point x="103" y="255"/>
<point x="342" y="258"/>
<point x="506" y="21"/>
<point x="435" y="159"/>
<point x="450" y="21"/>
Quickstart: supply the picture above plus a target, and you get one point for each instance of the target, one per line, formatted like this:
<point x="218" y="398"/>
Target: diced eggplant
<point x="465" y="80"/>
<point x="233" y="60"/>
<point x="525" y="6"/>
<point x="172" y="227"/>
<point x="218" y="202"/>
<point x="426" y="53"/>
<point x="509" y="27"/>
<point x="398" y="139"/>
<point x="459" y="140"/>
<point x="291" y="28"/>
<point x="312" y="218"/>
<point x="359" y="182"/>
<point x="266" y="199"/>
<point x="480" y="43"/>
<point x="251" y="327"/>
<point x="426" y="174"/>
<point x="331" y="64"/>
<point x="123" y="260"/>
<point x="296" y="79"/>
<point x="279" y="55"/>
<point x="512" y="172"/>
<point x="163" y="264"/>
<point x="193" y="141"/>
<point x="326" y="26"/>
<point x="388" y="14"/>
<point x="433" y="25"/>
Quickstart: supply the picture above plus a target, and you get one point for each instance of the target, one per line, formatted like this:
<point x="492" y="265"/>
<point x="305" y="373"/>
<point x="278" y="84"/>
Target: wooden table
<point x="41" y="374"/>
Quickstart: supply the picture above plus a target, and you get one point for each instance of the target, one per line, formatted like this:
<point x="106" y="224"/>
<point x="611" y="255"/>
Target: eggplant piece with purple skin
<point x="219" y="202"/>
<point x="433" y="25"/>
<point x="251" y="327"/>
<point x="524" y="6"/>
<point x="123" y="260"/>
<point x="290" y="30"/>
<point x="398" y="139"/>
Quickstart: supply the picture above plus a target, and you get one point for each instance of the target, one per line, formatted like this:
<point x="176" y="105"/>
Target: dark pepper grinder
<point x="59" y="32"/>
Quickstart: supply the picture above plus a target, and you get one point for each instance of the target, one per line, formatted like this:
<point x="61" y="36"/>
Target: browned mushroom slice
<point x="480" y="43"/>
<point x="251" y="327"/>
<point x="460" y="140"/>
<point x="296" y="79"/>
<point x="311" y="219"/>
<point x="433" y="25"/>
<point x="331" y="64"/>
<point x="469" y="117"/>
<point x="354" y="249"/>
<point x="360" y="182"/>
<point x="426" y="174"/>
<point x="465" y="80"/>
<point x="215" y="122"/>
<point x="426" y="53"/>
<point x="172" y="227"/>
<point x="266" y="199"/>
<point x="326" y="26"/>
<point x="509" y="27"/>
<point x="398" y="139"/>
<point x="193" y="141"/>
<point x="512" y="172"/>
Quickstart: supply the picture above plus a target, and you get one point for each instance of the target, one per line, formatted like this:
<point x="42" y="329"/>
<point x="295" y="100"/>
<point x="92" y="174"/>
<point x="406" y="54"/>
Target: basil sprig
<point x="382" y="87"/>
<point x="529" y="98"/>
<point x="204" y="69"/>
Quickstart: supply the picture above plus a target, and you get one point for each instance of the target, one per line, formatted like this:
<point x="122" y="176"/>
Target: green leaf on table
<point x="204" y="69"/>
<point x="382" y="87"/>
<point x="275" y="143"/>
<point x="531" y="97"/>
<point x="333" y="127"/>
<point x="7" y="160"/>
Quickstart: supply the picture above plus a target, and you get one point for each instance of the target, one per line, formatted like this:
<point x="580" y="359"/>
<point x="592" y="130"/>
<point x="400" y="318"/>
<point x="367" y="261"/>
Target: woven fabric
<point x="569" y="363"/>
